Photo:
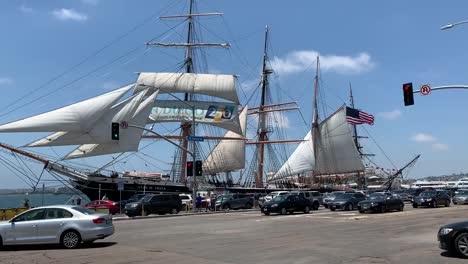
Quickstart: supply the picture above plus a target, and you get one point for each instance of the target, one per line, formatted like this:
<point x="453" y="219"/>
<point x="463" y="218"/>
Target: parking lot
<point x="249" y="237"/>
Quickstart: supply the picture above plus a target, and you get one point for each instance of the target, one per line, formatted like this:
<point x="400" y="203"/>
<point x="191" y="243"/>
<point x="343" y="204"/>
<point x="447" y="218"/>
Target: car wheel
<point x="361" y="211"/>
<point x="349" y="207"/>
<point x="434" y="204"/>
<point x="283" y="211"/>
<point x="461" y="245"/>
<point x="332" y="209"/>
<point x="447" y="203"/>
<point x="1" y="242"/>
<point x="325" y="205"/>
<point x="226" y="207"/>
<point x="382" y="209"/>
<point x="306" y="210"/>
<point x="400" y="208"/>
<point x="248" y="206"/>
<point x="415" y="205"/>
<point x="70" y="239"/>
<point x="266" y="213"/>
<point x="174" y="211"/>
<point x="315" y="206"/>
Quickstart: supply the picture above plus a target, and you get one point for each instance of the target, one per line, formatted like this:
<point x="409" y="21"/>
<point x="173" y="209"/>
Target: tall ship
<point x="116" y="123"/>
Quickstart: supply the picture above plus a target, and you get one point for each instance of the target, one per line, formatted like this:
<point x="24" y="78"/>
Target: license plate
<point x="266" y="209"/>
<point x="365" y="206"/>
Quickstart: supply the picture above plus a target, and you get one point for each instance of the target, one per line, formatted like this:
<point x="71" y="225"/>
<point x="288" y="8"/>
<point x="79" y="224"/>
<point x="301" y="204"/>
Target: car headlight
<point x="372" y="204"/>
<point x="274" y="205"/>
<point x="445" y="231"/>
<point x="343" y="202"/>
<point x="134" y="205"/>
<point x="428" y="200"/>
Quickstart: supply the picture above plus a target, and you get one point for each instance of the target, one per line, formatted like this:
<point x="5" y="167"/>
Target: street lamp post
<point x="449" y="26"/>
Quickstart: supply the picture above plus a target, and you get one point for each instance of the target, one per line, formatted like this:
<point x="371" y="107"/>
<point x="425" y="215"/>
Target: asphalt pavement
<point x="249" y="237"/>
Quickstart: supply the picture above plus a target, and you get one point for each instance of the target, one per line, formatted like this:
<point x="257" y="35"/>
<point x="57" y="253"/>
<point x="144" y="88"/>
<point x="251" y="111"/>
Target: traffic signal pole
<point x="445" y="87"/>
<point x="408" y="91"/>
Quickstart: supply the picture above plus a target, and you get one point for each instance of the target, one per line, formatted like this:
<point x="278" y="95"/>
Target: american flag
<point x="356" y="117"/>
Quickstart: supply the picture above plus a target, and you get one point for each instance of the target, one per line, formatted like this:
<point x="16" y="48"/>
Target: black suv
<point x="234" y="201"/>
<point x="288" y="203"/>
<point x="432" y="199"/>
<point x="155" y="204"/>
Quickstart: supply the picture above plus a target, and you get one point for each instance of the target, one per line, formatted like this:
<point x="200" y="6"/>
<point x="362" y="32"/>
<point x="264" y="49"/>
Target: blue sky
<point x="377" y="46"/>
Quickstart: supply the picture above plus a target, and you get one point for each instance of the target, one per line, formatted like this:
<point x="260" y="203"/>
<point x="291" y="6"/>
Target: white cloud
<point x="392" y="115"/>
<point x="6" y="81"/>
<point x="25" y="9"/>
<point x="440" y="146"/>
<point x="110" y="85"/>
<point x="298" y="61"/>
<point x="420" y="137"/>
<point x="69" y="14"/>
<point x="90" y="2"/>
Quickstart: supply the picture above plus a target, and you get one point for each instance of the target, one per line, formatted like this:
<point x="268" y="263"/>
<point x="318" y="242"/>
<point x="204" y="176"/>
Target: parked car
<point x="314" y="196"/>
<point x="136" y="197"/>
<point x="461" y="197"/>
<point x="432" y="199"/>
<point x="112" y="206"/>
<point x="272" y="195"/>
<point x="67" y="225"/>
<point x="454" y="238"/>
<point x="346" y="201"/>
<point x="330" y="197"/>
<point x="186" y="199"/>
<point x="288" y="203"/>
<point x="405" y="195"/>
<point x="155" y="204"/>
<point x="381" y="202"/>
<point x="235" y="201"/>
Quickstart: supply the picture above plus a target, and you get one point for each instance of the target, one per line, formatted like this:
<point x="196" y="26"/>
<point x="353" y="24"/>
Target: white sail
<point x="134" y="113"/>
<point x="336" y="151"/>
<point x="219" y="114"/>
<point x="221" y="86"/>
<point x="228" y="155"/>
<point x="99" y="132"/>
<point x="300" y="161"/>
<point x="76" y="117"/>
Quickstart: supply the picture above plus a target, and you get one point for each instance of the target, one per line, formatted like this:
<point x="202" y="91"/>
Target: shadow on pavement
<point x="449" y="254"/>
<point x="56" y="247"/>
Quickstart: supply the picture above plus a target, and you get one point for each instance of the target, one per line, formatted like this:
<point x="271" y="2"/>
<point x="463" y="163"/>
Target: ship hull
<point x="93" y="189"/>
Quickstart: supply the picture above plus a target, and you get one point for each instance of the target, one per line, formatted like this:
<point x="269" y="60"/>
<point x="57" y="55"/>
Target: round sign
<point x="124" y="124"/>
<point x="425" y="89"/>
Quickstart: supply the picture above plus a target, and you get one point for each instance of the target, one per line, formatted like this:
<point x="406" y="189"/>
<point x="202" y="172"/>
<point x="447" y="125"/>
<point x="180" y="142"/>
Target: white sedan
<point x="60" y="224"/>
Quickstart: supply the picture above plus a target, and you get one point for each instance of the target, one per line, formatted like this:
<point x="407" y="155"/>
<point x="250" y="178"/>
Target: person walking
<point x="199" y="200"/>
<point x="104" y="197"/>
<point x="26" y="203"/>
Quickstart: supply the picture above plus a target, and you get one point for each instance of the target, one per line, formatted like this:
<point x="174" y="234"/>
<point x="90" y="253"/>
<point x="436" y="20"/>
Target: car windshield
<point x="427" y="194"/>
<point x="83" y="210"/>
<point x="223" y="197"/>
<point x="280" y="198"/>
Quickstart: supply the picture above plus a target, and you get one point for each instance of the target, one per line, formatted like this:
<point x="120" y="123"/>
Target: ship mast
<point x="262" y="132"/>
<point x="315" y="131"/>
<point x="189" y="44"/>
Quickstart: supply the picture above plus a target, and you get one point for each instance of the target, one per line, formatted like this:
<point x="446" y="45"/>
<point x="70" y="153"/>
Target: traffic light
<point x="408" y="94"/>
<point x="189" y="168"/>
<point x="115" y="131"/>
<point x="198" y="168"/>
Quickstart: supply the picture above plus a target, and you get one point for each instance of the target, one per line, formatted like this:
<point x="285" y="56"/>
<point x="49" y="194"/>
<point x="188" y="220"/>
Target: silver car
<point x="61" y="224"/>
<point x="461" y="197"/>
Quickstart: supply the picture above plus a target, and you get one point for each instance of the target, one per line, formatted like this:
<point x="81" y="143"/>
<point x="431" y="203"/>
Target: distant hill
<point x="452" y="177"/>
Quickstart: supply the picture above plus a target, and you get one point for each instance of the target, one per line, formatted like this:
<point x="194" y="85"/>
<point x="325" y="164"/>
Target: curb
<point x="126" y="218"/>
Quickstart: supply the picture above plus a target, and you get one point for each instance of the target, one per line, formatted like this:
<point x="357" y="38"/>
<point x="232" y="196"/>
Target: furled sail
<point x="135" y="113"/>
<point x="76" y="117"/>
<point x="219" y="114"/>
<point x="300" y="161"/>
<point x="336" y="150"/>
<point x="218" y="85"/>
<point x="228" y="155"/>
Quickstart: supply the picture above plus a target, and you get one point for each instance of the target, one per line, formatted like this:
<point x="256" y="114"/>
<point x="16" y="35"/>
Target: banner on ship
<point x="224" y="115"/>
